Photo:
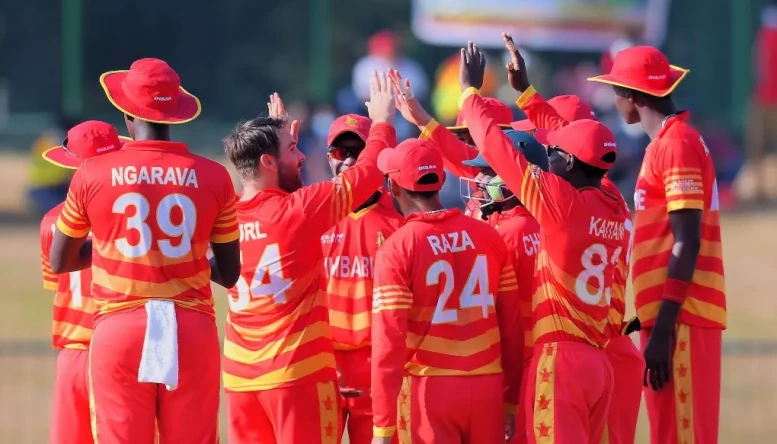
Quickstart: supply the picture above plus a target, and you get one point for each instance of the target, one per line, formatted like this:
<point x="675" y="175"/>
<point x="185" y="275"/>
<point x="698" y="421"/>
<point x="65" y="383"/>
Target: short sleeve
<point x="681" y="168"/>
<point x="225" y="229"/>
<point x="73" y="221"/>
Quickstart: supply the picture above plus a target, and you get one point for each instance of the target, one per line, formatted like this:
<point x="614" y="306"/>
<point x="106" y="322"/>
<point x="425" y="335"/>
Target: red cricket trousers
<point x="628" y="368"/>
<point x="356" y="413"/>
<point x="128" y="411"/>
<point x="687" y="410"/>
<point x="451" y="410"/>
<point x="569" y="395"/>
<point x="297" y="414"/>
<point x="71" y="421"/>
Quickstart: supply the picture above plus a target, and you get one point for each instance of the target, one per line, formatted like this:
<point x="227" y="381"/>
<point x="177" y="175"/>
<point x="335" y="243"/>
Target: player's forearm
<point x="492" y="143"/>
<point x="387" y="373"/>
<point x="453" y="150"/>
<point x="70" y="254"/>
<point x="538" y="111"/>
<point x="365" y="177"/>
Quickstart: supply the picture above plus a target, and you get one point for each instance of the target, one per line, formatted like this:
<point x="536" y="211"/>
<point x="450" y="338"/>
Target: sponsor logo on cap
<point x="610" y="144"/>
<point x="427" y="167"/>
<point x="661" y="77"/>
<point x="105" y="148"/>
<point x="162" y="98"/>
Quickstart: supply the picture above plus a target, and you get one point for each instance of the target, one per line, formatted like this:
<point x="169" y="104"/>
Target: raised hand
<point x="472" y="67"/>
<point x="406" y="102"/>
<point x="277" y="109"/>
<point x="381" y="107"/>
<point x="516" y="67"/>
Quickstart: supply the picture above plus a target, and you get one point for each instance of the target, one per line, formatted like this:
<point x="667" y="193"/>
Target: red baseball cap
<point x="645" y="69"/>
<point x="151" y="91"/>
<point x="349" y="123"/>
<point x="588" y="140"/>
<point x="498" y="111"/>
<point x="569" y="107"/>
<point x="88" y="139"/>
<point x="410" y="161"/>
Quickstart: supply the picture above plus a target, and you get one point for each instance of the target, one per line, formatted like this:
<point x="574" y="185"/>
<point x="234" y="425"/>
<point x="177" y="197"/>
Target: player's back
<point x="277" y="331"/>
<point x="74" y="307"/>
<point x="154" y="207"/>
<point x="577" y="269"/>
<point x="456" y="265"/>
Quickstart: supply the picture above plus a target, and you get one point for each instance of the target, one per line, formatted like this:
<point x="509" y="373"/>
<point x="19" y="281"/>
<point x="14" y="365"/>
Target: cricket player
<point x="581" y="238"/>
<point x="454" y="142"/>
<point x="279" y="365"/>
<point x="74" y="307"/>
<point x="677" y="259"/>
<point x="154" y="350"/>
<point x="446" y="317"/>
<point x="627" y="362"/>
<point x="349" y="269"/>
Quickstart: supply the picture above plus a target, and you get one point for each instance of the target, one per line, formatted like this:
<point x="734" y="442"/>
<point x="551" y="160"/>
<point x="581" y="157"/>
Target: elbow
<point x="229" y="277"/>
<point x="57" y="265"/>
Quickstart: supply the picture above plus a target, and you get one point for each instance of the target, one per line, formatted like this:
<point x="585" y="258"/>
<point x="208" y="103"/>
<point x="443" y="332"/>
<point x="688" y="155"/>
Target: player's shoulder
<point x="51" y="217"/>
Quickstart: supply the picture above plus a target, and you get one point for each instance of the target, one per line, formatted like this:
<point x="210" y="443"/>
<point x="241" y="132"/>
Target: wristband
<point x="526" y="96"/>
<point x="383" y="432"/>
<point x="429" y="128"/>
<point x="466" y="93"/>
<point x="676" y="290"/>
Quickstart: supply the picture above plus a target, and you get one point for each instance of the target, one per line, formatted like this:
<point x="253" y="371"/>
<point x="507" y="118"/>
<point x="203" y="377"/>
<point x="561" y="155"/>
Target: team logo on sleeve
<point x="380" y="239"/>
<point x="536" y="172"/>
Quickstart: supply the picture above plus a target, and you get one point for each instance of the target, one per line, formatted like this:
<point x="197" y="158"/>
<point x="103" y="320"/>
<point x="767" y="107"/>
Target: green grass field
<point x="749" y="392"/>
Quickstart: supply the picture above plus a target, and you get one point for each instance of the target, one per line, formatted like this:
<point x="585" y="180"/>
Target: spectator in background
<point x="762" y="131"/>
<point x="48" y="183"/>
<point x="383" y="52"/>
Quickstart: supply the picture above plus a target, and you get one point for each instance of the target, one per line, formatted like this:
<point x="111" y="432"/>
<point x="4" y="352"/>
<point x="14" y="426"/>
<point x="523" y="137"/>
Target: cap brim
<point x="676" y="76"/>
<point x="60" y="157"/>
<point x="187" y="110"/>
<point x="334" y="136"/>
<point x="478" y="162"/>
<point x="523" y="125"/>
<point x="466" y="128"/>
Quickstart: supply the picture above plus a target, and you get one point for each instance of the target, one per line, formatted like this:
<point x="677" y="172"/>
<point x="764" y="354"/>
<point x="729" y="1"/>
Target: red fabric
<point x="643" y="68"/>
<point x="688" y="408"/>
<point x="127" y="411"/>
<point x="300" y="414"/>
<point x="766" y="58"/>
<point x="570" y="394"/>
<point x="452" y="409"/>
<point x="588" y="140"/>
<point x="70" y="417"/>
<point x="628" y="369"/>
<point x="410" y="161"/>
<point x="522" y="415"/>
<point x="349" y="123"/>
<point x="568" y="107"/>
<point x="356" y="413"/>
<point x="497" y="109"/>
<point x="85" y="140"/>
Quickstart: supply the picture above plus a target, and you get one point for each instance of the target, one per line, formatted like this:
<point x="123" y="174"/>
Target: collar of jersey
<point x="433" y="217"/>
<point x="155" y="145"/>
<point x="515" y="211"/>
<point x="680" y="117"/>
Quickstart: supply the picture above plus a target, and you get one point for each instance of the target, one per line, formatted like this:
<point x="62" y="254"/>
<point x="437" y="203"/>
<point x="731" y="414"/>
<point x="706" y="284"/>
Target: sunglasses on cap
<point x="64" y="147"/>
<point x="344" y="152"/>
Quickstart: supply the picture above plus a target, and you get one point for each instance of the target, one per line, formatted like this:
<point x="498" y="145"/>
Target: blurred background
<point x="318" y="55"/>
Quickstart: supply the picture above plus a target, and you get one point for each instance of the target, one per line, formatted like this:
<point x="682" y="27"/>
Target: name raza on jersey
<point x="450" y="242"/>
<point x="131" y="175"/>
<point x="606" y="229"/>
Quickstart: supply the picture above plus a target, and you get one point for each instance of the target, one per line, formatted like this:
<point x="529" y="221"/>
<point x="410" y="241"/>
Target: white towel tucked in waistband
<point x="159" y="362"/>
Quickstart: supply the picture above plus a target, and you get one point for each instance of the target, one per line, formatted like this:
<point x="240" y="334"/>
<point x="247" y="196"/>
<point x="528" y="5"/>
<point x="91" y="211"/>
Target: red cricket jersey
<point x="277" y="331"/>
<point x="544" y="116"/>
<point x="677" y="173"/>
<point x="445" y="304"/>
<point x="521" y="234"/>
<point x="152" y="208"/>
<point x="582" y="238"/>
<point x="73" y="304"/>
<point x="349" y="269"/>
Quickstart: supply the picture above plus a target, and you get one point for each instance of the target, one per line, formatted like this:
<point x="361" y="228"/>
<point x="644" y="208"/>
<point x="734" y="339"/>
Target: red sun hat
<point x="349" y="123"/>
<point x="588" y="140"/>
<point x="409" y="162"/>
<point x="88" y="139"/>
<point x="569" y="107"/>
<point x="151" y="91"/>
<point x="644" y="69"/>
<point x="496" y="109"/>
